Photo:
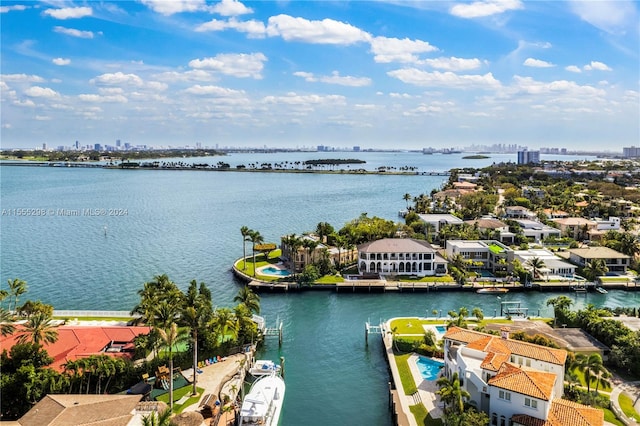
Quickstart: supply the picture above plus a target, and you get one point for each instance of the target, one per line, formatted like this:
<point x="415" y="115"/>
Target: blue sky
<point x="383" y="74"/>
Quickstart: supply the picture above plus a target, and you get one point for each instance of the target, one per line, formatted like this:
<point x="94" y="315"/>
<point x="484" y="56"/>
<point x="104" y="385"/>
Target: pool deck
<point x="426" y="388"/>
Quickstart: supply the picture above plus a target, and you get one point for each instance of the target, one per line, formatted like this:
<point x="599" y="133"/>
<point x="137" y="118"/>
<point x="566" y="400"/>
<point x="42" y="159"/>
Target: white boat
<point x="263" y="367"/>
<point x="601" y="290"/>
<point x="492" y="290"/>
<point x="263" y="404"/>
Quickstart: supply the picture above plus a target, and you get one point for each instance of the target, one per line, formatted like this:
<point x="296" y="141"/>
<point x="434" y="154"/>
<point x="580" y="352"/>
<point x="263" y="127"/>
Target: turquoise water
<point x="441" y="329"/>
<point x="270" y="270"/>
<point x="187" y="224"/>
<point x="429" y="368"/>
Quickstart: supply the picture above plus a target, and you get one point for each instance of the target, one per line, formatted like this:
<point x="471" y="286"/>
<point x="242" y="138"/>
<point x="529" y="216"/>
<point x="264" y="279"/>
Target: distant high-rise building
<point x="356" y="149"/>
<point x="528" y="157"/>
<point x="118" y="143"/>
<point x="77" y="145"/>
<point x="97" y="147"/>
<point x="44" y="146"/>
<point x="630" y="151"/>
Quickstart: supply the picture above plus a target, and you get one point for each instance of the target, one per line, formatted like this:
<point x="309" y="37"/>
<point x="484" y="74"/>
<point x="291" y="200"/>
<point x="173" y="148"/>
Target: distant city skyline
<point x="379" y="75"/>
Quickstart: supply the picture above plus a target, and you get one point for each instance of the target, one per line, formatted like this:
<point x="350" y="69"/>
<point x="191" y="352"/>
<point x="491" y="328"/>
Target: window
<point x="531" y="403"/>
<point x="528" y="363"/>
<point x="504" y="395"/>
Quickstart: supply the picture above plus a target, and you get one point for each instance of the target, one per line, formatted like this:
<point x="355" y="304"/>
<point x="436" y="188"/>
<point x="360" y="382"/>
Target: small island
<point x="475" y="157"/>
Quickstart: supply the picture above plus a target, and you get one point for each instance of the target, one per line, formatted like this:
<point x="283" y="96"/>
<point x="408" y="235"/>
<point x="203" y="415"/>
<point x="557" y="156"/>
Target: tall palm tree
<point x="324" y="229"/>
<point x="255" y="238"/>
<point x="452" y="394"/>
<point x="160" y="289"/>
<point x="171" y="336"/>
<point x="224" y="323"/>
<point x="248" y="298"/>
<point x="536" y="264"/>
<point x="157" y="419"/>
<point x="246" y="232"/>
<point x="39" y="330"/>
<point x="591" y="366"/>
<point x="407" y="197"/>
<point x="309" y="245"/>
<point x="17" y="288"/>
<point x="196" y="313"/>
<point x="594" y="269"/>
<point x="459" y="318"/>
<point x="294" y="244"/>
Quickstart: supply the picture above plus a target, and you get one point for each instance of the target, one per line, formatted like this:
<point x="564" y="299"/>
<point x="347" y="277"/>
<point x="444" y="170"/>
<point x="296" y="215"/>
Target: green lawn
<point x="413" y="325"/>
<point x="443" y="279"/>
<point x="330" y="279"/>
<point x="249" y="267"/>
<point x="609" y="416"/>
<point x="179" y="393"/>
<point x="406" y="378"/>
<point x="626" y="404"/>
<point x="423" y="417"/>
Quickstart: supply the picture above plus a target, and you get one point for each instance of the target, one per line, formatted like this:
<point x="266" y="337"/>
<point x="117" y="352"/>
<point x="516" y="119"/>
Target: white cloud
<point x="41" y="92"/>
<point x="335" y="78"/>
<point x="614" y="17"/>
<point x="598" y="66"/>
<point x="22" y="78"/>
<point x="295" y="99"/>
<point x="73" y="32"/>
<point x="532" y="87"/>
<point x="191" y="75"/>
<point x="61" y="61"/>
<point x="254" y="29"/>
<point x="537" y="63"/>
<point x="69" y="12"/>
<point x="213" y="91"/>
<point x="238" y="65"/>
<point x="230" y="8"/>
<point x="24" y="103"/>
<point x="423" y="109"/>
<point x="327" y="31"/>
<point x="573" y="68"/>
<point x="114" y="79"/>
<point x="444" y="79"/>
<point x="103" y="98"/>
<point x="480" y="9"/>
<point x="43" y="118"/>
<point x="18" y="7"/>
<point x="388" y="49"/>
<point x="453" y="63"/>
<point x="170" y="7"/>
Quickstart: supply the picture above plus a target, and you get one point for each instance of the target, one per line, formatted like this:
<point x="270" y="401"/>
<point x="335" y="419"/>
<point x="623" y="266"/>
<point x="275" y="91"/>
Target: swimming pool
<point x="441" y="329"/>
<point x="429" y="369"/>
<point x="270" y="270"/>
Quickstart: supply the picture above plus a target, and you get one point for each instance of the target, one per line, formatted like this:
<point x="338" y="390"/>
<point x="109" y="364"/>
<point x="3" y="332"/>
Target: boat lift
<point x="372" y="329"/>
<point x="513" y="308"/>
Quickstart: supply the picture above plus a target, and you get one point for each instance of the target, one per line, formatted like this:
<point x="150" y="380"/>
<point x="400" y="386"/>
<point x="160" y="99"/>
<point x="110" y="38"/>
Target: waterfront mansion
<point x="400" y="256"/>
<point x="514" y="382"/>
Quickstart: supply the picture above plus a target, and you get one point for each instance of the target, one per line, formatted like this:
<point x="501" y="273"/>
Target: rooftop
<point x="396" y="245"/>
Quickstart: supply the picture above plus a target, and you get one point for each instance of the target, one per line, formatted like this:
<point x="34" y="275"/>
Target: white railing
<point x="77" y="314"/>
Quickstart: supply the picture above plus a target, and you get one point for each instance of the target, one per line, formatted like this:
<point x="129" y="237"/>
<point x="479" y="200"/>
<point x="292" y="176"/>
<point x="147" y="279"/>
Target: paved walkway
<point x="630" y="388"/>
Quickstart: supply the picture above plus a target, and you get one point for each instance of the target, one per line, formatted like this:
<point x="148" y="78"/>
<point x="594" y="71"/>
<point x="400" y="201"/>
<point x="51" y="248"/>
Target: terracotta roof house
<point x="513" y="382"/>
<point x="78" y="410"/>
<point x="493" y="225"/>
<point x="400" y="256"/>
<point x="576" y="227"/>
<point x="83" y="341"/>
<point x="518" y="212"/>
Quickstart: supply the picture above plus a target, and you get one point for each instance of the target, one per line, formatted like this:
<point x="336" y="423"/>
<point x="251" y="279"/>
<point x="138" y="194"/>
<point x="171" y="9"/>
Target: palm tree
<point x="294" y="243"/>
<point x="324" y="229"/>
<point x="310" y="245"/>
<point x="561" y="305"/>
<point x="407" y="198"/>
<point x="224" y="322"/>
<point x="246" y="232"/>
<point x="592" y="367"/>
<point x="38" y="330"/>
<point x="171" y="336"/>
<point x="6" y="322"/>
<point x="452" y="394"/>
<point x="196" y="313"/>
<point x="17" y="288"/>
<point x="255" y="238"/>
<point x="160" y="289"/>
<point x="536" y="264"/>
<point x="157" y="419"/>
<point x="594" y="269"/>
<point x="248" y="298"/>
<point x="458" y="318"/>
<point x="477" y="312"/>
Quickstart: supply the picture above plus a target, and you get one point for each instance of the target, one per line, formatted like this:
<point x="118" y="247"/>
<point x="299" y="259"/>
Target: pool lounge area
<point x="429" y="368"/>
<point x="427" y="387"/>
<point x="275" y="270"/>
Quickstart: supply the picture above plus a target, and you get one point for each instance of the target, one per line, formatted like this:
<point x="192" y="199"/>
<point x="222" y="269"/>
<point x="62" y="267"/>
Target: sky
<point x="292" y="74"/>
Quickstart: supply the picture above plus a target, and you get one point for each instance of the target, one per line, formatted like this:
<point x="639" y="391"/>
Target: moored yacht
<point x="263" y="404"/>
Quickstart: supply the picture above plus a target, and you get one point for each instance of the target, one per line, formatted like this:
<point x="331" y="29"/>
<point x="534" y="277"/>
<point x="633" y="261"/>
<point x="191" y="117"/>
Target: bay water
<point x="94" y="236"/>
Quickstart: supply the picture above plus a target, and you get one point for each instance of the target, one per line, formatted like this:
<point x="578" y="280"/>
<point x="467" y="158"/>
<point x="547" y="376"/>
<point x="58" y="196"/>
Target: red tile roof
<point x="534" y="383"/>
<point x="82" y="341"/>
<point x="564" y="413"/>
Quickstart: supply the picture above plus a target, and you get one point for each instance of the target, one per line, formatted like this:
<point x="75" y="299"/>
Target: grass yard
<point x="406" y="378"/>
<point x="423" y="417"/>
<point x="178" y="394"/>
<point x="626" y="404"/>
<point x="580" y="375"/>
<point x="443" y="279"/>
<point x="609" y="416"/>
<point x="330" y="279"/>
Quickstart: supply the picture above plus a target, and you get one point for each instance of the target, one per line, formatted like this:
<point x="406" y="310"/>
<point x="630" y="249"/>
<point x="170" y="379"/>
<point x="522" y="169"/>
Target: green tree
<point x="561" y="305"/>
<point x="17" y="288"/>
<point x="6" y="322"/>
<point x="458" y="319"/>
<point x="477" y="312"/>
<point x="255" y="238"/>
<point x="246" y="233"/>
<point x="157" y="419"/>
<point x="407" y="198"/>
<point x="224" y="324"/>
<point x="591" y="366"/>
<point x="536" y="264"/>
<point x="171" y="336"/>
<point x="309" y="275"/>
<point x="196" y="312"/>
<point x="323" y="230"/>
<point x="38" y="329"/>
<point x="451" y="394"/>
<point x="595" y="268"/>
<point x="247" y="297"/>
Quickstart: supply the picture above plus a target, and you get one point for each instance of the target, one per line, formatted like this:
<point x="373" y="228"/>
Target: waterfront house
<point x="494" y="227"/>
<point x="400" y="256"/>
<point x="514" y="382"/>
<point x="436" y="221"/>
<point x="616" y="262"/>
<point x="537" y="231"/>
<point x="554" y="266"/>
<point x="489" y="255"/>
<point x="311" y="249"/>
<point x="555" y="214"/>
<point x="76" y="342"/>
